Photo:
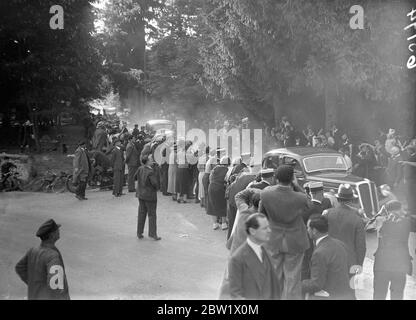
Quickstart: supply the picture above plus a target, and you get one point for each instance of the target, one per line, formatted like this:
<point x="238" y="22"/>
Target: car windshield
<point x="163" y="125"/>
<point x="324" y="163"/>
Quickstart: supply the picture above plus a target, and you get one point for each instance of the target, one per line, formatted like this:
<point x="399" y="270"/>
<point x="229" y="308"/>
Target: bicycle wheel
<point x="36" y="185"/>
<point x="59" y="185"/>
<point x="47" y="187"/>
<point x="69" y="185"/>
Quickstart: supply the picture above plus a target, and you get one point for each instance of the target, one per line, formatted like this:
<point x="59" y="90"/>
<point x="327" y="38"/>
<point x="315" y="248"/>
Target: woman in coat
<point x="217" y="204"/>
<point x="209" y="165"/>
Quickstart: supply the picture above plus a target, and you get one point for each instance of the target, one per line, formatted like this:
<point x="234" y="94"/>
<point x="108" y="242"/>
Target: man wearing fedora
<point x="42" y="268"/>
<point x="345" y="224"/>
<point x="82" y="169"/>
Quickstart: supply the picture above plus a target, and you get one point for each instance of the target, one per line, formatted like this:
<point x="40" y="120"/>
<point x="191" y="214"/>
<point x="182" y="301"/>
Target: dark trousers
<point x="130" y="177"/>
<point x="410" y="196"/>
<point x="306" y="268"/>
<point x="147" y="208"/>
<point x="118" y="180"/>
<point x="164" y="178"/>
<point x="231" y="213"/>
<point x="80" y="189"/>
<point x="382" y="280"/>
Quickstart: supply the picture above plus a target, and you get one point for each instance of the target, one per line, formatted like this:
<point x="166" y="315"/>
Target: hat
<point x="47" y="227"/>
<point x="284" y="173"/>
<point x="236" y="161"/>
<point x="225" y="160"/>
<point x="316" y="186"/>
<point x="81" y="143"/>
<point x="395" y="150"/>
<point x="346" y="192"/>
<point x="266" y="173"/>
<point x="393" y="205"/>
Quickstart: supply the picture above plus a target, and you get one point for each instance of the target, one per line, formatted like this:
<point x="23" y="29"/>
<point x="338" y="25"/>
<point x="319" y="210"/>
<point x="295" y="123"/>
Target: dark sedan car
<point x="327" y="166"/>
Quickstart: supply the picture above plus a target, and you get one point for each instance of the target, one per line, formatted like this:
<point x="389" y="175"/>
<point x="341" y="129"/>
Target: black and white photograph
<point x="196" y="150"/>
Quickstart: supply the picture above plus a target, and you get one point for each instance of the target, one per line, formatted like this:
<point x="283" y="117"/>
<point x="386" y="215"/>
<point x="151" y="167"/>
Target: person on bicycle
<point x="6" y="168"/>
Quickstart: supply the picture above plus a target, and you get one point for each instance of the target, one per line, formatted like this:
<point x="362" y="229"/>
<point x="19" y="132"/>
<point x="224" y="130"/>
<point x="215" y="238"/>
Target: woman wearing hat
<point x="217" y="204"/>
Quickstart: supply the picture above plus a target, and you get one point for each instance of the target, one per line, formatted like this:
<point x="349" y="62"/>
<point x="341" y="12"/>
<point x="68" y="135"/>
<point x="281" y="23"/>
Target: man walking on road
<point x="345" y="224"/>
<point x="289" y="239"/>
<point x="82" y="168"/>
<point x="147" y="186"/>
<point x="133" y="162"/>
<point x="42" y="268"/>
<point x="117" y="161"/>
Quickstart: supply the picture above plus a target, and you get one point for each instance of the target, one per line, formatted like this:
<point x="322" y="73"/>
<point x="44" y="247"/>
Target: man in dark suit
<point x="251" y="273"/>
<point x="240" y="183"/>
<point x="133" y="162"/>
<point x="117" y="161"/>
<point x="318" y="204"/>
<point x="329" y="264"/>
<point x="147" y="186"/>
<point x="289" y="239"/>
<point x="82" y="169"/>
<point x="346" y="225"/>
<point x="42" y="268"/>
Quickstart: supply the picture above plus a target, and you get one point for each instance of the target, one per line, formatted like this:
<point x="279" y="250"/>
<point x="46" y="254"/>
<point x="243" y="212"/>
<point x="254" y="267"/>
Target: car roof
<point x="301" y="151"/>
<point x="158" y="121"/>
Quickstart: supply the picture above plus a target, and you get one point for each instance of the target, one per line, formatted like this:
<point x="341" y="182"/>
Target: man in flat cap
<point x="42" y="268"/>
<point x="267" y="179"/>
<point x="82" y="169"/>
<point x="289" y="238"/>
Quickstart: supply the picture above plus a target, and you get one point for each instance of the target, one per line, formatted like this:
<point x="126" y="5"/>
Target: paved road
<point x="105" y="260"/>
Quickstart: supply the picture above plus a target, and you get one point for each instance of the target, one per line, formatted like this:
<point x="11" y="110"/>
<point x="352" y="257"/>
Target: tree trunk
<point x="277" y="108"/>
<point x="34" y="120"/>
<point x="330" y="97"/>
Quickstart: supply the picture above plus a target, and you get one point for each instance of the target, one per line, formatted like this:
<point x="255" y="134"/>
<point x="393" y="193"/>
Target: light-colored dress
<point x="173" y="166"/>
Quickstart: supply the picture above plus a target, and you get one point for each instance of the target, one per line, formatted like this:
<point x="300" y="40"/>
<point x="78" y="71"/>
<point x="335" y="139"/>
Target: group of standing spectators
<point x="287" y="243"/>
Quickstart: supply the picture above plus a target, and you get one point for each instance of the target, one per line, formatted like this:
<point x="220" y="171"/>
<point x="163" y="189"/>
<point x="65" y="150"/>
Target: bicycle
<point x="50" y="182"/>
<point x="11" y="181"/>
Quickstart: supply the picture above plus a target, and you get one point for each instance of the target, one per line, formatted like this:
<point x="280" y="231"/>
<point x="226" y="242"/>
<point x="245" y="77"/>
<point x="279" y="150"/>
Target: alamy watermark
<point x="216" y="140"/>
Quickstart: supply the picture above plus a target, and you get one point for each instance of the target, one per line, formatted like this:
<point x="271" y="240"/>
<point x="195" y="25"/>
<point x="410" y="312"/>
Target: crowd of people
<point x="286" y="241"/>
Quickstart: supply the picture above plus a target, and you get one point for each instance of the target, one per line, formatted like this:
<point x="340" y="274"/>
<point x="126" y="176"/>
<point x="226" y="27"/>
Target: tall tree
<point x="267" y="50"/>
<point x="127" y="23"/>
<point x="43" y="71"/>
